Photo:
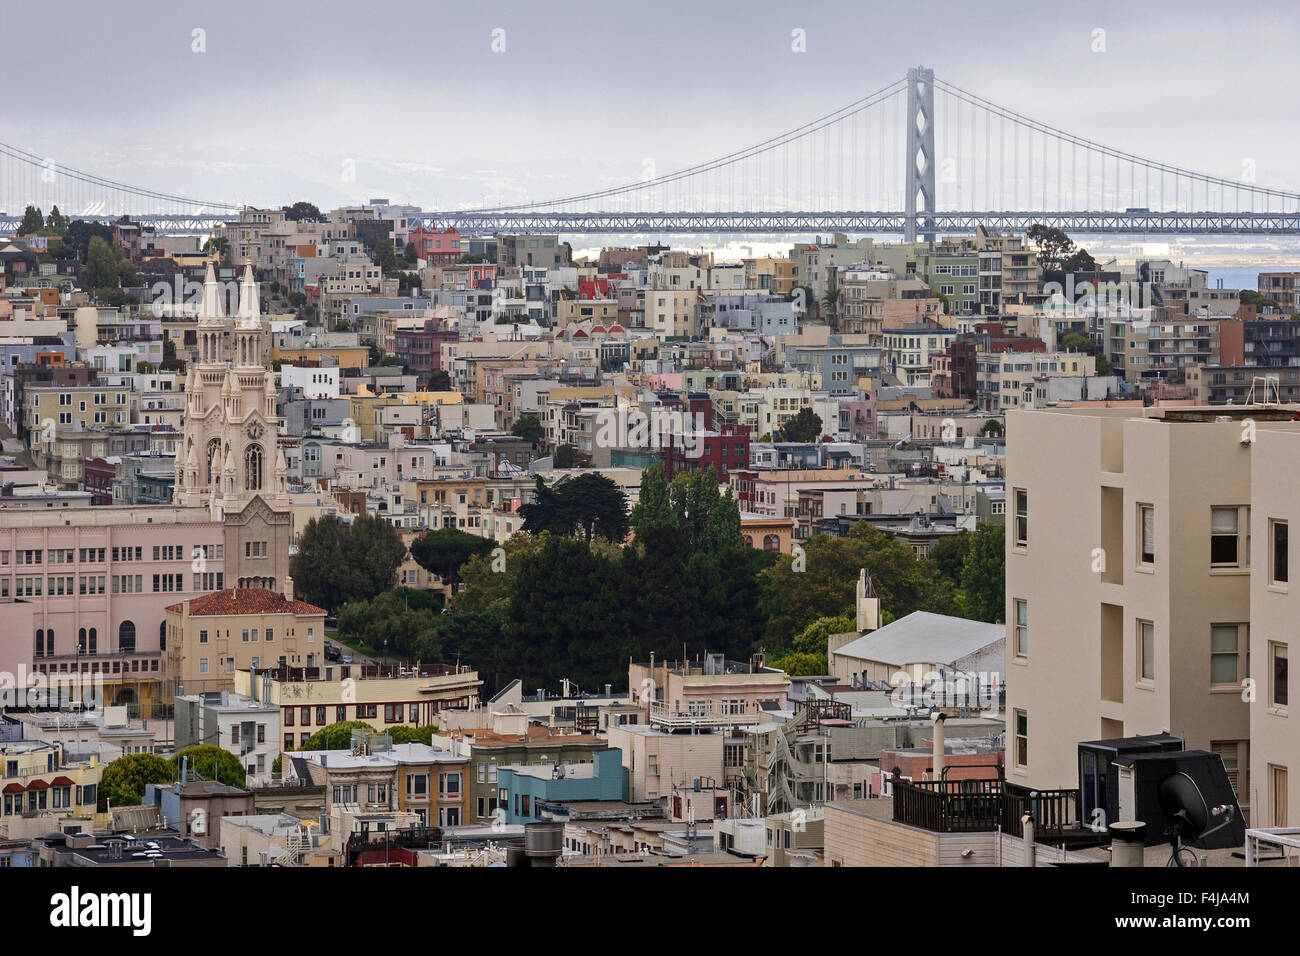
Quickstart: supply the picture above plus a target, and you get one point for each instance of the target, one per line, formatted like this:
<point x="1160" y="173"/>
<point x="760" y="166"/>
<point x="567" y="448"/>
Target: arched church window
<point x="253" y="468"/>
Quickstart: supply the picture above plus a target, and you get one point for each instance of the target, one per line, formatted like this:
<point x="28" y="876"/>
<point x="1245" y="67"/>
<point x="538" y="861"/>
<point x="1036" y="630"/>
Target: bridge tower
<point x="920" y="160"/>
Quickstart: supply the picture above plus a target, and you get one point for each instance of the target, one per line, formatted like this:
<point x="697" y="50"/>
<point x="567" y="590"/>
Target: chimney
<point x="938" y="745"/>
<point x="1031" y="848"/>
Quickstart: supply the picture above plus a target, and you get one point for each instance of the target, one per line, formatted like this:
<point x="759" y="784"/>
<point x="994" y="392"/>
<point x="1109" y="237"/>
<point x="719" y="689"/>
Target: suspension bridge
<point x="917" y="158"/>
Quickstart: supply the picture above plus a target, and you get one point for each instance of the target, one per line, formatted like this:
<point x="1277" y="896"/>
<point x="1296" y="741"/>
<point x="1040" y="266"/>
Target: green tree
<point x="410" y="254"/>
<point x="445" y="551"/>
<point x="529" y="428"/>
<point x="693" y="503"/>
<point x="33" y="222"/>
<point x="336" y="736"/>
<point x="797" y="664"/>
<point x="384" y="256"/>
<point x="984" y="575"/>
<point x="489" y="580"/>
<point x="1258" y="300"/>
<point x="567" y="617"/>
<point x="403" y="734"/>
<point x="566" y="456"/>
<point x="1054" y="246"/>
<point x="440" y="382"/>
<point x="302" y="210"/>
<point x="828" y="582"/>
<point x="806" y="426"/>
<point x="949" y="554"/>
<point x="124" y="780"/>
<point x="210" y="762"/>
<point x="56" y="221"/>
<point x="590" y="505"/>
<point x="101" y="265"/>
<point x="807" y="653"/>
<point x="338" y="563"/>
<point x="1079" y="261"/>
<point x="81" y="232"/>
<point x="993" y="428"/>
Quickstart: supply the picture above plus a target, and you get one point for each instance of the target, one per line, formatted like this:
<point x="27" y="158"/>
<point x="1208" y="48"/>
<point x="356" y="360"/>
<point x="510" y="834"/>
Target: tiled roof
<point x="246" y="601"/>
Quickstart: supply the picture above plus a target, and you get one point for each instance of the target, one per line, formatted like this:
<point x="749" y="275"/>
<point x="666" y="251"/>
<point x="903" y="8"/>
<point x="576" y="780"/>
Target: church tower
<point x="229" y="460"/>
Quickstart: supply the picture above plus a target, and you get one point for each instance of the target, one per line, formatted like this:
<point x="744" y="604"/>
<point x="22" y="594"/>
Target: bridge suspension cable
<point x="1120" y="158"/>
<point x="50" y="174"/>
<point x="801" y="135"/>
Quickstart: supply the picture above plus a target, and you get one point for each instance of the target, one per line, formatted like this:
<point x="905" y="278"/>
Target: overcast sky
<point x="412" y="93"/>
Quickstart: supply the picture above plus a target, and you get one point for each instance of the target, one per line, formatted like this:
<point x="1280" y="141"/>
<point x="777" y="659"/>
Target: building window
<point x="253" y="468"/>
<point x="1278" y="559"/>
<point x="1146" y="534"/>
<point x="1225" y="653"/>
<point x="1022" y="518"/>
<point x="1228" y="753"/>
<point x="1022" y="738"/>
<point x="1226" y="549"/>
<point x="417" y="785"/>
<point x="126" y="637"/>
<point x="1022" y="628"/>
<point x="1278" y="794"/>
<point x="1146" y="632"/>
<point x="1277" y="676"/>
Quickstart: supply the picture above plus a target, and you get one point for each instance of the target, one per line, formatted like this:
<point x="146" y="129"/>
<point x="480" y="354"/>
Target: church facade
<point x="229" y="461"/>
<point x="85" y="590"/>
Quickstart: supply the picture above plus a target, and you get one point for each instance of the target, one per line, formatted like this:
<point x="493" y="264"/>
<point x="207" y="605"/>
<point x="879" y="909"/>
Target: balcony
<point x="670" y="720"/>
<point x="992" y="804"/>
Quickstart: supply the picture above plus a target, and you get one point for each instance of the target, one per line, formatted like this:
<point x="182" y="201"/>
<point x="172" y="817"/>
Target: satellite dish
<point x="1188" y="815"/>
<point x="1183" y="806"/>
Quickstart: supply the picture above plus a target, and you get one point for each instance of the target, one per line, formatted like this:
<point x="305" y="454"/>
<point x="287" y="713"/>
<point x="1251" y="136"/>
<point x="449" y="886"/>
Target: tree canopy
<point x="210" y="762"/>
<point x="337" y="563"/>
<point x="445" y="551"/>
<point x="804" y="427"/>
<point x="590" y="505"/>
<point x="336" y="736"/>
<point x="828" y="583"/>
<point x="528" y="427"/>
<point x="124" y="780"/>
<point x="302" y="210"/>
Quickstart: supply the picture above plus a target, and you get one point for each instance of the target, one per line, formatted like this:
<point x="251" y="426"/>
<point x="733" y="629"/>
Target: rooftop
<point x="924" y="637"/>
<point x="245" y="601"/>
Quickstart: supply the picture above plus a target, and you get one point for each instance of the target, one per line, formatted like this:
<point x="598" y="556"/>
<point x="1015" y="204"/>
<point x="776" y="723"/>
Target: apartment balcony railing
<point x="684" y="720"/>
<point x="985" y="805"/>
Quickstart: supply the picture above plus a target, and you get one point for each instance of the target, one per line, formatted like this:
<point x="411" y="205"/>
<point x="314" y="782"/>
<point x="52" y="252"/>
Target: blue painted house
<point x="523" y="788"/>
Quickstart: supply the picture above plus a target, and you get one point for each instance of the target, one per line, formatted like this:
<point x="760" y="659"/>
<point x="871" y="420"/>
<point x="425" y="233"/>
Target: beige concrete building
<point x="276" y="839"/>
<point x="659" y="762"/>
<point x="211" y="637"/>
<point x="712" y="692"/>
<point x="1129" y="583"/>
<point x="1274" y="740"/>
<point x="311" y="698"/>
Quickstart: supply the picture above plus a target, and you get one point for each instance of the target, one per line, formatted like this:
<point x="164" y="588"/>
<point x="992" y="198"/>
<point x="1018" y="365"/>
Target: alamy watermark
<point x="660" y="429"/>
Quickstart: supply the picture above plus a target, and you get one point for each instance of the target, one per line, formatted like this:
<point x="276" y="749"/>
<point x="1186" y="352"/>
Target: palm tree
<point x="831" y="303"/>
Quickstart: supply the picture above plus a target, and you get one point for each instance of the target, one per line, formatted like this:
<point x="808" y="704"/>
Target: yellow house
<point x="211" y="637"/>
<point x="41" y="788"/>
